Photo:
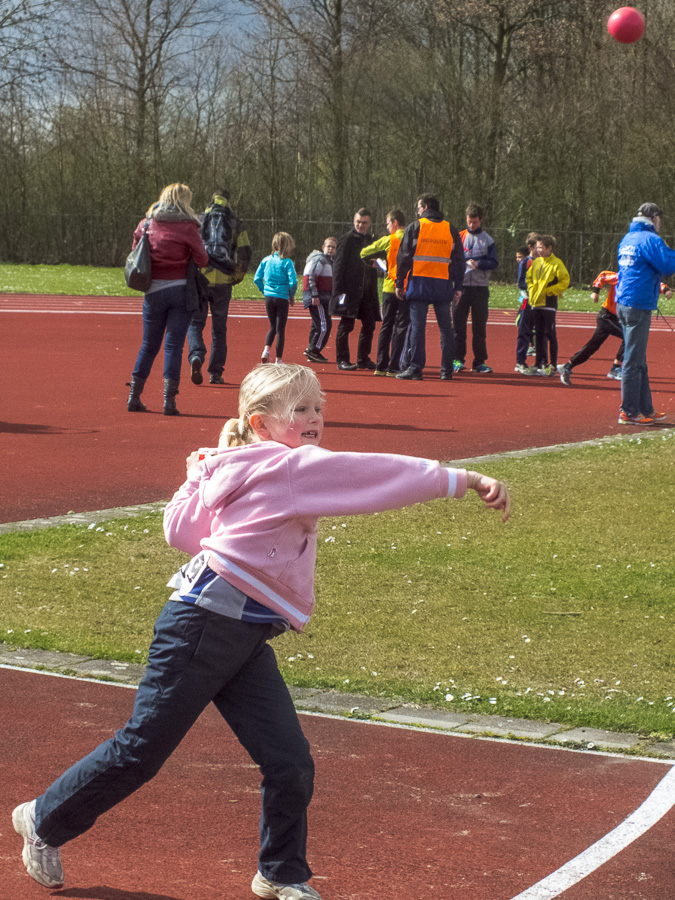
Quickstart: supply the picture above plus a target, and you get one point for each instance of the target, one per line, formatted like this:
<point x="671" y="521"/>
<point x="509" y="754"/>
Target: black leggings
<point x="277" y="313"/>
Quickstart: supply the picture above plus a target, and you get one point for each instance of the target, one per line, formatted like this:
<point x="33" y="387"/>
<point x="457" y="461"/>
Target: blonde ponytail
<point x="236" y="433"/>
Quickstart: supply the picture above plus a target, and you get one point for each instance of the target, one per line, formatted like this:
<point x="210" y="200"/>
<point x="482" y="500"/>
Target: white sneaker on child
<point x="42" y="861"/>
<point x="269" y="890"/>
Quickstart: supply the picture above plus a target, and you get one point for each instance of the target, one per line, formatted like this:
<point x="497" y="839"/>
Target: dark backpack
<point x="218" y="233"/>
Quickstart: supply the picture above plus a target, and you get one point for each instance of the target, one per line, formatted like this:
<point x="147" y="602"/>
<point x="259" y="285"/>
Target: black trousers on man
<point x="368" y="316"/>
<point x="393" y="333"/>
<point x="474" y="299"/>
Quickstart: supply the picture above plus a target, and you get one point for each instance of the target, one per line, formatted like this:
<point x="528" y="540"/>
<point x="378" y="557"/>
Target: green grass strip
<point x="85" y="281"/>
<point x="566" y="613"/>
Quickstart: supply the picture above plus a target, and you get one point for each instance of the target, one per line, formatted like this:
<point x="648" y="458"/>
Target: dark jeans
<point x="219" y="301"/>
<point x="476" y="301"/>
<point x="607" y="325"/>
<point x="546" y="336"/>
<point x="393" y="331"/>
<point x="367" y="314"/>
<point x="321" y="326"/>
<point x="165" y="319"/>
<point x="525" y="334"/>
<point x="419" y="310"/>
<point x="277" y="313"/>
<point x="198" y="657"/>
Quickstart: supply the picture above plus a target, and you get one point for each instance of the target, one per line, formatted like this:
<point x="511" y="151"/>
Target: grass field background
<point x="90" y="281"/>
<point x="565" y="613"/>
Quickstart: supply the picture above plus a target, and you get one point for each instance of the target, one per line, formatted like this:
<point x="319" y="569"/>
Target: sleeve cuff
<point x="457" y="483"/>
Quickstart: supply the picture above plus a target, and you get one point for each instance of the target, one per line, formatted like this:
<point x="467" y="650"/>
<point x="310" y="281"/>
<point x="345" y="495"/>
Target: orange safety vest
<point x="432" y="254"/>
<point x="394" y="244"/>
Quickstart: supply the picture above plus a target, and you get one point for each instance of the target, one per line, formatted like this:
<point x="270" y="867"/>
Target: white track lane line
<point x="659" y="802"/>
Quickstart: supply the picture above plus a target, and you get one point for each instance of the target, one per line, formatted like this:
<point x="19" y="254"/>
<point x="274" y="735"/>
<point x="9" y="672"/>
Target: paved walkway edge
<point x="374" y="709"/>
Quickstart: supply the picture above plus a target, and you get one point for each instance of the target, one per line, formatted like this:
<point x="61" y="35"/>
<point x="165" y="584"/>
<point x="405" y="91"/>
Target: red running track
<point x="396" y="812"/>
<point x="420" y="815"/>
<point x="68" y="443"/>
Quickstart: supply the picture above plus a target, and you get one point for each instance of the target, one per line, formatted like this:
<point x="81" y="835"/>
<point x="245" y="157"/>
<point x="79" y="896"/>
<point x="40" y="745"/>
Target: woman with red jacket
<point x="173" y="230"/>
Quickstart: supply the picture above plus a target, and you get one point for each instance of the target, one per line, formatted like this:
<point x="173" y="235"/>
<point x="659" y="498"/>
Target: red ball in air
<point x="626" y="25"/>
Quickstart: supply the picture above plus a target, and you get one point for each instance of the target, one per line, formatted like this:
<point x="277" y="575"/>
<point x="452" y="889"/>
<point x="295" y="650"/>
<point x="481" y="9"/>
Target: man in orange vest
<point x="395" y="312"/>
<point x="429" y="272"/>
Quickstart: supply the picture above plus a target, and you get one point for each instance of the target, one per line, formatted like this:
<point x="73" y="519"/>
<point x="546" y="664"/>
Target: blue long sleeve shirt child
<point x="276" y="277"/>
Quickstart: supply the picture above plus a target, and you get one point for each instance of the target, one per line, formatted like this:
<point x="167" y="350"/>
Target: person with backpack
<point x="227" y="244"/>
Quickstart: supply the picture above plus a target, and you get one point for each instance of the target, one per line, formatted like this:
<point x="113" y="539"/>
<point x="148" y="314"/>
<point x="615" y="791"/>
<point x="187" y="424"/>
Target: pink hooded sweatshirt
<point x="254" y="510"/>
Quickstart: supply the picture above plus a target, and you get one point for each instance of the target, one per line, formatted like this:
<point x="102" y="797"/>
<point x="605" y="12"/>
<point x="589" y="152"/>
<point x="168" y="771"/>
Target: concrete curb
<point x="375" y="709"/>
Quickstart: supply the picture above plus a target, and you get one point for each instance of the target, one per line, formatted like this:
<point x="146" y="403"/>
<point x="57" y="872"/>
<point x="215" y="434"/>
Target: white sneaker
<point x="42" y="861"/>
<point x="269" y="890"/>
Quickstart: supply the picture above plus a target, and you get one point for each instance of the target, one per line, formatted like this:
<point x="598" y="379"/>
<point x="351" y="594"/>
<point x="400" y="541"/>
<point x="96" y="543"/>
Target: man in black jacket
<point x="355" y="295"/>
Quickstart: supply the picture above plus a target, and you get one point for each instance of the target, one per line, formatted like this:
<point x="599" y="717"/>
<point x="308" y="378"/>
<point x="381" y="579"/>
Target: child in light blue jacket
<point x="276" y="279"/>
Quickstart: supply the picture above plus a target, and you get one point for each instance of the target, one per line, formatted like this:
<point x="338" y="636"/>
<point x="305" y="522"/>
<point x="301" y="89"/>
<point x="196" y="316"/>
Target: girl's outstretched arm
<point x="493" y="493"/>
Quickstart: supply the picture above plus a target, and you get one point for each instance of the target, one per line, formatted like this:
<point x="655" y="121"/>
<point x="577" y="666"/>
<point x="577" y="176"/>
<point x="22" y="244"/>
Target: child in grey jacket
<point x="317" y="287"/>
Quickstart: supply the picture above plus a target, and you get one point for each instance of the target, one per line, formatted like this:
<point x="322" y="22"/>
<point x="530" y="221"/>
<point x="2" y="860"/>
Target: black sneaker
<point x="347" y="366"/>
<point x="366" y="364"/>
<point x="315" y="356"/>
<point x="216" y="379"/>
<point x="409" y="375"/>
<point x="446" y="376"/>
<point x="196" y="371"/>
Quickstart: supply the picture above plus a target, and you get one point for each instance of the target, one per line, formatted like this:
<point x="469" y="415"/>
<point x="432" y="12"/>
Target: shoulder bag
<point x="138" y="267"/>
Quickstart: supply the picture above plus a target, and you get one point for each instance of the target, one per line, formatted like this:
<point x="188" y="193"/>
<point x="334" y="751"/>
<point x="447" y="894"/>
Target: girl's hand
<point x="198" y="455"/>
<point x="193" y="459"/>
<point x="493" y="493"/>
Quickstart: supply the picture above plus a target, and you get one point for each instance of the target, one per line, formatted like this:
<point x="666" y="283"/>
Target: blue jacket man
<point x="644" y="260"/>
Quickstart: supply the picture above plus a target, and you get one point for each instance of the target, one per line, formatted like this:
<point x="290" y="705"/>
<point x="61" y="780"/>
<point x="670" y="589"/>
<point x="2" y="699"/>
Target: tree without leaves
<point x="337" y="37"/>
<point x="23" y="27"/>
<point x="136" y="46"/>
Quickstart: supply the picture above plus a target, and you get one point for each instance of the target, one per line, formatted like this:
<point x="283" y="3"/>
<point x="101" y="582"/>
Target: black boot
<point x="134" y="402"/>
<point x="170" y="391"/>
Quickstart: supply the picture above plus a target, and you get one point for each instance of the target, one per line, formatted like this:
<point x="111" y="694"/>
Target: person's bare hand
<point x="193" y="459"/>
<point x="493" y="493"/>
